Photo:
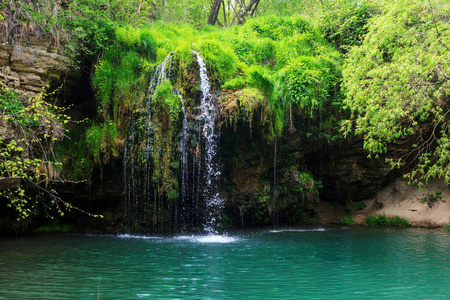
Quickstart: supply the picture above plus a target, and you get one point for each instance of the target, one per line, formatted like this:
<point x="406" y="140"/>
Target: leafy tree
<point x="32" y="126"/>
<point x="234" y="12"/>
<point x="344" y="22"/>
<point x="398" y="86"/>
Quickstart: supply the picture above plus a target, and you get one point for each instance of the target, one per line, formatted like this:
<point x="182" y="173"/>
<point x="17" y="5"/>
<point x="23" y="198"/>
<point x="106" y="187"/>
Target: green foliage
<point x="118" y="80"/>
<point x="309" y="83"/>
<point x="258" y="78"/>
<point x="10" y="102"/>
<point x="194" y="12"/>
<point x="398" y="85"/>
<point x="78" y="162"/>
<point x="235" y="83"/>
<point x="344" y="22"/>
<point x="165" y="99"/>
<point x="289" y="62"/>
<point x="128" y="36"/>
<point x="258" y="209"/>
<point x="359" y="205"/>
<point x="277" y="28"/>
<point x="288" y="7"/>
<point x="446" y="227"/>
<point x="431" y="198"/>
<point x="347" y="220"/>
<point x="307" y="184"/>
<point x="383" y="221"/>
<point x="166" y="112"/>
<point x="33" y="126"/>
<point x="54" y="227"/>
<point x="219" y="57"/>
<point x="101" y="142"/>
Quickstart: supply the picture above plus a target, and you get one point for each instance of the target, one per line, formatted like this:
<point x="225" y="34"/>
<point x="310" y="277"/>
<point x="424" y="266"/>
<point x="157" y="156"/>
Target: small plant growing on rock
<point x="347" y="220"/>
<point x="383" y="221"/>
<point x="431" y="198"/>
<point x="359" y="205"/>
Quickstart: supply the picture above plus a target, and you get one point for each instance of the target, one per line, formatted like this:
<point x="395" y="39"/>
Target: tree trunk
<point x="215" y="8"/>
<point x="240" y="11"/>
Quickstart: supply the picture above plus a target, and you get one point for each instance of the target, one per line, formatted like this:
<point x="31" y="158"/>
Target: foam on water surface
<point x="212" y="238"/>
<point x="140" y="237"/>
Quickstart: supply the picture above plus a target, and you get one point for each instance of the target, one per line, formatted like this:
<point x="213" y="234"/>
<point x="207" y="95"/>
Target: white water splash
<point x="209" y="239"/>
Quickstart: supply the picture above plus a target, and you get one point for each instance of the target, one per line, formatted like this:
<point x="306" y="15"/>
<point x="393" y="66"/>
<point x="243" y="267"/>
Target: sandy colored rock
<point x="405" y="201"/>
<point x="29" y="68"/>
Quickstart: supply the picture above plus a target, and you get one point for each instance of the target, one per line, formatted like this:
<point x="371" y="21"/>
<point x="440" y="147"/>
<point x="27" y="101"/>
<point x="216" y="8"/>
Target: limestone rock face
<point x="28" y="68"/>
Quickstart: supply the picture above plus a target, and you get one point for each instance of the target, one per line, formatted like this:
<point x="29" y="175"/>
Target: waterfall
<point x="139" y="190"/>
<point x="184" y="159"/>
<point x="193" y="160"/>
<point x="274" y="205"/>
<point x="207" y="121"/>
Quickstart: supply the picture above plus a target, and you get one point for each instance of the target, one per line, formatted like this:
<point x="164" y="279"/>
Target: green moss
<point x="235" y="83"/>
<point x="165" y="98"/>
<point x="259" y="78"/>
<point x="166" y="120"/>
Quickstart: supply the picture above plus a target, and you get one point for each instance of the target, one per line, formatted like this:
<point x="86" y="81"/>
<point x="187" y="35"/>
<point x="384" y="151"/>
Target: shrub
<point x="359" y="205"/>
<point x="220" y="57"/>
<point x="383" y="221"/>
<point x="431" y="198"/>
<point x="347" y="220"/>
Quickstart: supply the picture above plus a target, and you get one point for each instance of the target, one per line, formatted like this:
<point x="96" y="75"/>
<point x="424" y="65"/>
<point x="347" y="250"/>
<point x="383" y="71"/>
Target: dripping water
<point x="274" y="206"/>
<point x="184" y="165"/>
<point x="138" y="184"/>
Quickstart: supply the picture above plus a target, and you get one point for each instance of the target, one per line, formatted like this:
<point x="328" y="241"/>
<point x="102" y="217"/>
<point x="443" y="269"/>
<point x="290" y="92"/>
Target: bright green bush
<point x="128" y="36"/>
<point x="347" y="220"/>
<point x="101" y="142"/>
<point x="344" y="23"/>
<point x="219" y="57"/>
<point x="383" y="221"/>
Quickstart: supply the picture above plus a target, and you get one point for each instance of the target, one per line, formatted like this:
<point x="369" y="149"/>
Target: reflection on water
<point x="296" y="230"/>
<point x="295" y="263"/>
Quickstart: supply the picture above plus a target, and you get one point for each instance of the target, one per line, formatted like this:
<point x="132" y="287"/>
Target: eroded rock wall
<point x="29" y="67"/>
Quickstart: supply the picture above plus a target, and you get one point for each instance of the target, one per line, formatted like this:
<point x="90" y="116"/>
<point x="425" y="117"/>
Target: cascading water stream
<point x="198" y="201"/>
<point x="274" y="205"/>
<point x="207" y="121"/>
<point x="138" y="185"/>
<point x="184" y="158"/>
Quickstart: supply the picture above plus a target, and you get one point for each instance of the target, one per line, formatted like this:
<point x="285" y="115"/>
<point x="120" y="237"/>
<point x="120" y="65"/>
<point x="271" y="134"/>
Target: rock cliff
<point x="29" y="67"/>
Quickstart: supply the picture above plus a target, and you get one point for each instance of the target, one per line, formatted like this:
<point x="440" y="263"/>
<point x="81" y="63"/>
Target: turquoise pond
<point x="301" y="263"/>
